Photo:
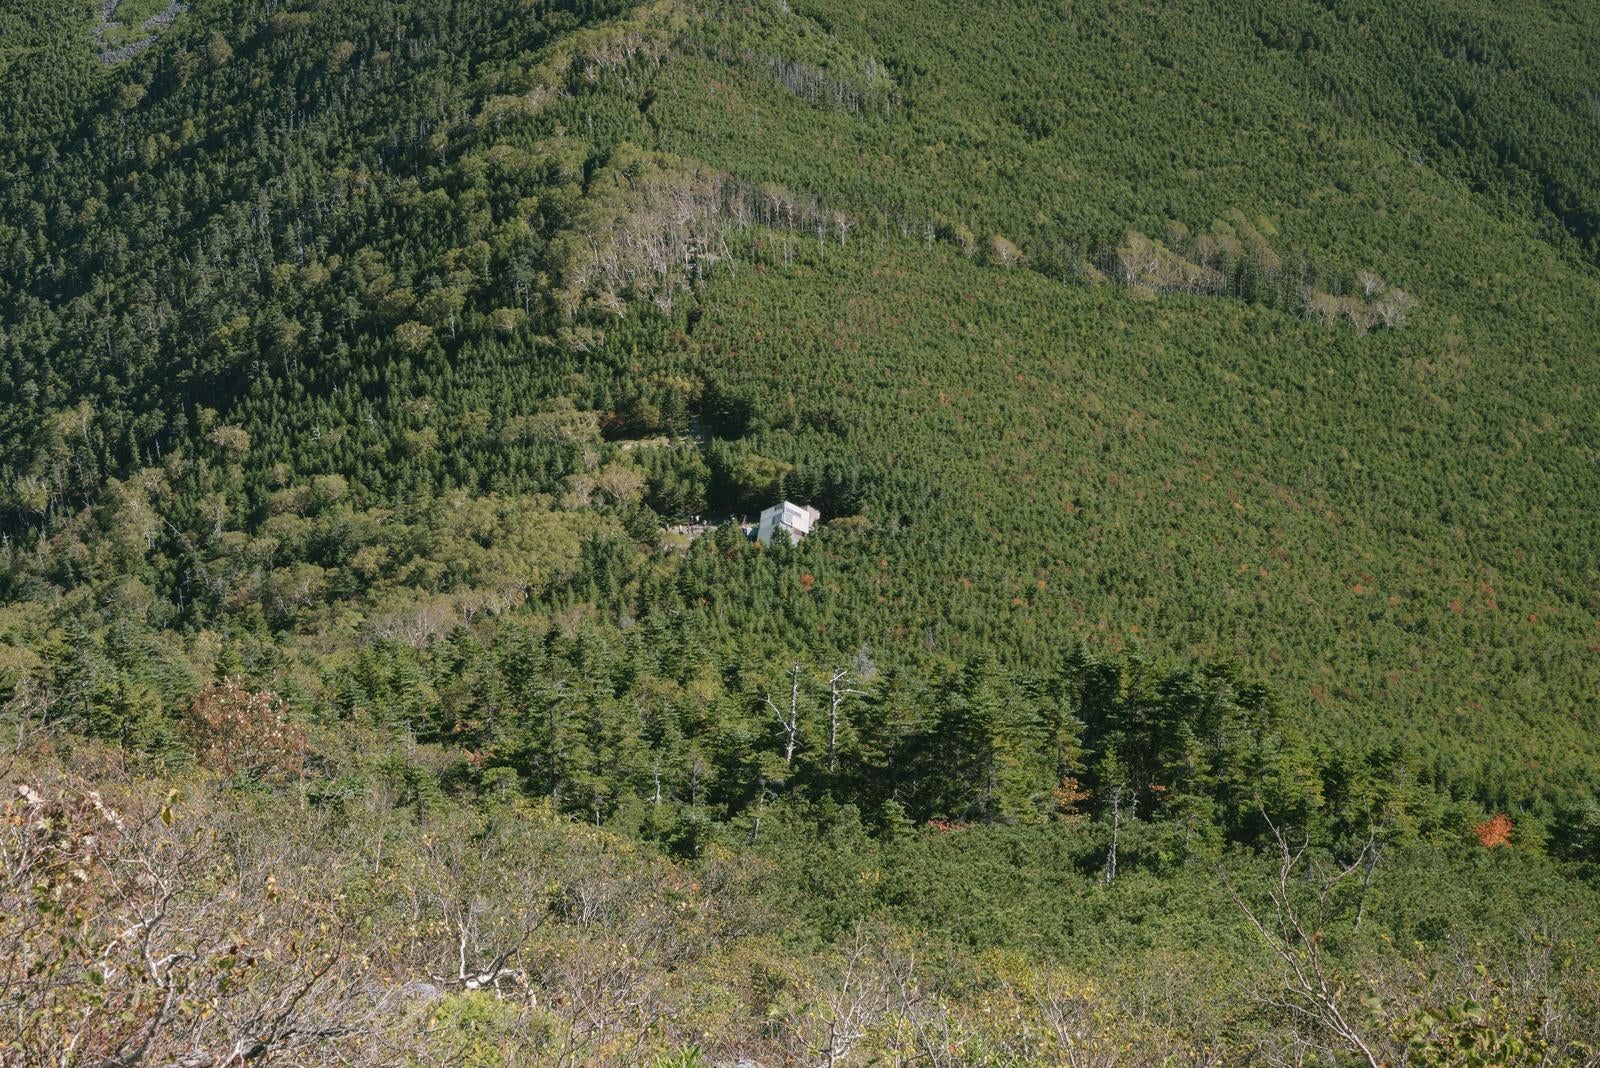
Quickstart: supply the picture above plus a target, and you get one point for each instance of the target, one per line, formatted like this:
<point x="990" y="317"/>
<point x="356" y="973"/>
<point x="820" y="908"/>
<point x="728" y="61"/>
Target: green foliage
<point x="1477" y="1034"/>
<point x="1199" y="403"/>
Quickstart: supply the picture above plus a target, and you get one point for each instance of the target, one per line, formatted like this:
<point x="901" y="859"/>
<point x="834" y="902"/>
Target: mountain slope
<point x="1417" y="499"/>
<point x="1198" y="399"/>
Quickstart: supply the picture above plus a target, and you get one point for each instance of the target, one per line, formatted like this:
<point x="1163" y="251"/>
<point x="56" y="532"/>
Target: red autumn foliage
<point x="238" y="730"/>
<point x="1494" y="831"/>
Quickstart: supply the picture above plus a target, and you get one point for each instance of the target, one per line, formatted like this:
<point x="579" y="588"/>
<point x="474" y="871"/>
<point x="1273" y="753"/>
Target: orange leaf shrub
<point x="1494" y="831"/>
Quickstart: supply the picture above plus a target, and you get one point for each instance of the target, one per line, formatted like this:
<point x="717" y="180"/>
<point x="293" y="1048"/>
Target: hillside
<point x="1198" y="400"/>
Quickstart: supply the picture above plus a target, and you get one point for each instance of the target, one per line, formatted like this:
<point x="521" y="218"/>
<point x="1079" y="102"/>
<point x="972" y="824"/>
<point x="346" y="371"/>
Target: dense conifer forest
<point x="1197" y="660"/>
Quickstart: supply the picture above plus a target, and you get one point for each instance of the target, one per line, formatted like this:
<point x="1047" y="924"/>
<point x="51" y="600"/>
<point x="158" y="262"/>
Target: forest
<point x="1198" y="661"/>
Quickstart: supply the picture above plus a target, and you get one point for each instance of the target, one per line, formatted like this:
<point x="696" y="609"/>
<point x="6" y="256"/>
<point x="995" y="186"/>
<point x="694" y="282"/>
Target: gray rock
<point x="419" y="990"/>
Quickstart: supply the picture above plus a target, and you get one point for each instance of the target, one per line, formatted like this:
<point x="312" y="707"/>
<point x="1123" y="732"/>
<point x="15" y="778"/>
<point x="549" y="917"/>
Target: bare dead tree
<point x="838" y="1005"/>
<point x="838" y="690"/>
<point x="1119" y="791"/>
<point x="1394" y="307"/>
<point x="789" y="722"/>
<point x="1370" y="854"/>
<point x="484" y="901"/>
<point x="162" y="950"/>
<point x="1071" y="1020"/>
<point x="926" y="1015"/>
<point x="1313" y="994"/>
<point x="26" y="715"/>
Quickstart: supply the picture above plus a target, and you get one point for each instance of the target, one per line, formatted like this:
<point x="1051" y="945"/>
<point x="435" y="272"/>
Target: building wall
<point x="796" y="519"/>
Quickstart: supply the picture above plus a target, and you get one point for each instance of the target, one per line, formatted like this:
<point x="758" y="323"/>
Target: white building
<point x="797" y="519"/>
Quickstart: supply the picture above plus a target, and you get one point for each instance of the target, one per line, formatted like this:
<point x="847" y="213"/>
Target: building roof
<point x="789" y="513"/>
